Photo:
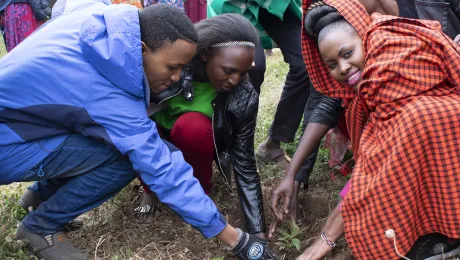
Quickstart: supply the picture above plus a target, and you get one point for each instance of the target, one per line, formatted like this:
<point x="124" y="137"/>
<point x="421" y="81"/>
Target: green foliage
<point x="123" y="253"/>
<point x="219" y="258"/>
<point x="2" y="47"/>
<point x="270" y="94"/>
<point x="289" y="238"/>
<point x="10" y="215"/>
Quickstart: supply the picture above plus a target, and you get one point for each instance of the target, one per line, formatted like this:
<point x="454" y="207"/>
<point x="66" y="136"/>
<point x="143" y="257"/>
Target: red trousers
<point x="196" y="10"/>
<point x="192" y="134"/>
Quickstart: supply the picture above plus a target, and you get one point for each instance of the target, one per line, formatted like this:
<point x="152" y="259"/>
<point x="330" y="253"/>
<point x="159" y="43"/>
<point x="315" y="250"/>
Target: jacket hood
<point x="358" y="17"/>
<point x="111" y="43"/>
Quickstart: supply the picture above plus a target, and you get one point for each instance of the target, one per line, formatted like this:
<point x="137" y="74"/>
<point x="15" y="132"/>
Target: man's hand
<point x="457" y="39"/>
<point x="251" y="247"/>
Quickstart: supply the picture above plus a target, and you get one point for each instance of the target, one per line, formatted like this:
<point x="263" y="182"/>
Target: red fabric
<point x="405" y="128"/>
<point x="342" y="125"/>
<point x="19" y="22"/>
<point x="196" y="10"/>
<point x="192" y="134"/>
<point x="319" y="72"/>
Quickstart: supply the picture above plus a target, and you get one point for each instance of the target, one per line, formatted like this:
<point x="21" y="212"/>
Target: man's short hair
<point x="162" y="23"/>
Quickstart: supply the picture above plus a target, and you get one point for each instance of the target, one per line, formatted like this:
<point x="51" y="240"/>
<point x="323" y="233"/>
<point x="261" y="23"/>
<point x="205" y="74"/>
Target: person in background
<point x="137" y="3"/>
<point x="20" y="18"/>
<point x="176" y="3"/>
<point x="447" y="12"/>
<point x="146" y="3"/>
<point x="195" y="9"/>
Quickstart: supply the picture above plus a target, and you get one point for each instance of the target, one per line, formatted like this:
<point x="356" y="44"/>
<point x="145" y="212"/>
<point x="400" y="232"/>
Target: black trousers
<point x="286" y="34"/>
<point x="297" y="89"/>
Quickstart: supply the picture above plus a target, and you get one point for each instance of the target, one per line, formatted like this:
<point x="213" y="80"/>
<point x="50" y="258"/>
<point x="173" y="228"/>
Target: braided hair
<point x="321" y="19"/>
<point x="217" y="30"/>
<point x="224" y="28"/>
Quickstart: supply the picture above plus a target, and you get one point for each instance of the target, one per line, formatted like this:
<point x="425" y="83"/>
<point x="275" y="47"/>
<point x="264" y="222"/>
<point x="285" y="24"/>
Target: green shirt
<point x="250" y="10"/>
<point x="178" y="105"/>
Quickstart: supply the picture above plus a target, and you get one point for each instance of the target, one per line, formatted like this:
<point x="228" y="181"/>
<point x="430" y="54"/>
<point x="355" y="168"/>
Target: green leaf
<point x="296" y="243"/>
<point x="285" y="234"/>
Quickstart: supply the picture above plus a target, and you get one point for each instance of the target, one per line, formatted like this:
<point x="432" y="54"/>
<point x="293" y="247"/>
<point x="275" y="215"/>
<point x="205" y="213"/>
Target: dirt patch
<point x="112" y="232"/>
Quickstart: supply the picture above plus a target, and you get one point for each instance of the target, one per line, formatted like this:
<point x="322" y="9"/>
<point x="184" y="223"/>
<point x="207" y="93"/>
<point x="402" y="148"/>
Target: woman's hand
<point x="283" y="191"/>
<point x="316" y="251"/>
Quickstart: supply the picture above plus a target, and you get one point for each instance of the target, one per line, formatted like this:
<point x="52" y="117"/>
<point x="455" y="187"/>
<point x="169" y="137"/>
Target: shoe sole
<point x="447" y="255"/>
<point x="37" y="254"/>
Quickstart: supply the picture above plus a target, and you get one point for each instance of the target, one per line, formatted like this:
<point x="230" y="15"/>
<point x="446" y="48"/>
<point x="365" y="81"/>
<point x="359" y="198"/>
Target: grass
<point x="289" y="239"/>
<point x="111" y="231"/>
<point x="10" y="216"/>
<point x="2" y="47"/>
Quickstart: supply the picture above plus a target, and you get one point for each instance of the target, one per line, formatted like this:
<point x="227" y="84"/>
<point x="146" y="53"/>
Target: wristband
<point x="330" y="243"/>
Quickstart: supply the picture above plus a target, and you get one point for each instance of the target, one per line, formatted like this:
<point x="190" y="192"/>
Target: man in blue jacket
<point x="73" y="100"/>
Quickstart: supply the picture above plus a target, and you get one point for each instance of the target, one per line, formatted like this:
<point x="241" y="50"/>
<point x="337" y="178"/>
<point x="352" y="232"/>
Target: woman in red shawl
<point x="399" y="81"/>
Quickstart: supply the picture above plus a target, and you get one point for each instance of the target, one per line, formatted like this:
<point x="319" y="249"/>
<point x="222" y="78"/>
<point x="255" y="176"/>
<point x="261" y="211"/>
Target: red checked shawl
<point x="405" y="131"/>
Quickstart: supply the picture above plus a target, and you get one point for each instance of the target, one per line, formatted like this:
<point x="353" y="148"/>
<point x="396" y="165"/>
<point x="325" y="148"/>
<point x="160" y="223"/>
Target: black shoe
<point x="56" y="246"/>
<point x="434" y="247"/>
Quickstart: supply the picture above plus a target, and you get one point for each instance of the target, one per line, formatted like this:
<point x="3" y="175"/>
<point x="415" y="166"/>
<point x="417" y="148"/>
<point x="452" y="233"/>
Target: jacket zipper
<point x="173" y="95"/>
<point x="217" y="155"/>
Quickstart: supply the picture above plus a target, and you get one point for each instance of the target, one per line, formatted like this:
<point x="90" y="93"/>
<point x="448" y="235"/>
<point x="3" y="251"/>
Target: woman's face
<point x="342" y="52"/>
<point x="228" y="66"/>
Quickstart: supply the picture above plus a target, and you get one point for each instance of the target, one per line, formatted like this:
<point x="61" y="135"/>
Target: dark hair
<point x="322" y="19"/>
<point x="224" y="28"/>
<point x="162" y="23"/>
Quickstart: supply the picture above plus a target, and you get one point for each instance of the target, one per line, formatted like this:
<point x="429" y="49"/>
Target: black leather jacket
<point x="233" y="122"/>
<point x="447" y="12"/>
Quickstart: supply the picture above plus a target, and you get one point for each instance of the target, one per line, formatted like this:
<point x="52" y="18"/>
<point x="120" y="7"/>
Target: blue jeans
<point x="75" y="178"/>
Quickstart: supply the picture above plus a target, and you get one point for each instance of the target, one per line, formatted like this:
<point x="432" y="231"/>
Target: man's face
<point x="164" y="66"/>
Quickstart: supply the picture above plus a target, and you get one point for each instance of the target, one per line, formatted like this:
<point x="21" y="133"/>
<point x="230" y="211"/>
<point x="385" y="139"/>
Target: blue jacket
<point x="82" y="73"/>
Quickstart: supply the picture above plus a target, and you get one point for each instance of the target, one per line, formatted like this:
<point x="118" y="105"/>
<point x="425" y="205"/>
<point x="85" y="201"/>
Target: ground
<point x="2" y="47"/>
<point x="112" y="232"/>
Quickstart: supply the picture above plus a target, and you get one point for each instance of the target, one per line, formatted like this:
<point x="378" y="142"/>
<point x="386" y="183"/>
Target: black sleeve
<point x="326" y="110"/>
<point x="244" y="166"/>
